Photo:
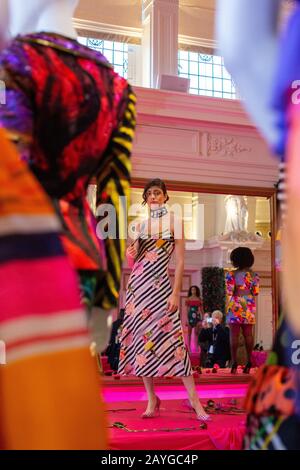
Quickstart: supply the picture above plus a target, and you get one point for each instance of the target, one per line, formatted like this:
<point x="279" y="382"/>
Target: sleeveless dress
<point x="194" y="311"/>
<point x="152" y="342"/>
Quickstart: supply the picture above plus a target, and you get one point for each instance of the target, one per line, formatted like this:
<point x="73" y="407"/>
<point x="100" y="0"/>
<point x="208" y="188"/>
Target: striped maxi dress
<point x="152" y="342"/>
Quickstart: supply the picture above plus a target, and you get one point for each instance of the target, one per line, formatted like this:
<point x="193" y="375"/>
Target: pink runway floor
<point x="172" y="392"/>
<point x="176" y="427"/>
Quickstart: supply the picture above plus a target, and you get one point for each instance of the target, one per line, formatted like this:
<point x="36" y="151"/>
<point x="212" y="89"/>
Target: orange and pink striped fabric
<point x="49" y="387"/>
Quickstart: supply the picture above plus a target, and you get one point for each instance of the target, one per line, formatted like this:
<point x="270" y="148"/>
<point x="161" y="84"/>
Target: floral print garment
<point x="241" y="308"/>
<point x="152" y="342"/>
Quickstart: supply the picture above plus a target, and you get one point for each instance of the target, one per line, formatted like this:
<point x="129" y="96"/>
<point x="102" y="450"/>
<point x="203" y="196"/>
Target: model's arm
<point x="173" y="301"/>
<point x="247" y="35"/>
<point x="133" y="249"/>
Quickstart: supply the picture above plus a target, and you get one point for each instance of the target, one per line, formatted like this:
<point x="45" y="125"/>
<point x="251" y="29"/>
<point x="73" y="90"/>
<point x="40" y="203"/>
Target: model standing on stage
<point x="152" y="342"/>
<point x="194" y="312"/>
<point x="242" y="288"/>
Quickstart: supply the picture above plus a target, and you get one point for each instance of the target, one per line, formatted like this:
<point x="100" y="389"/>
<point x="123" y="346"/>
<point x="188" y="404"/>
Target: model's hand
<point x="173" y="303"/>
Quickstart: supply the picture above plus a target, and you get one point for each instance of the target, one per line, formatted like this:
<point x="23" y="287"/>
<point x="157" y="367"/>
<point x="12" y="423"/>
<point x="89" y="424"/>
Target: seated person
<point x="217" y="337"/>
<point x="113" y="348"/>
<point x="204" y="345"/>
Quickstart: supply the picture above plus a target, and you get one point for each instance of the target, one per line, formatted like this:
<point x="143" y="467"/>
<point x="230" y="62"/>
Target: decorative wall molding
<point x="225" y="146"/>
<point x="197" y="42"/>
<point x="107" y="29"/>
<point x="96" y="27"/>
<point x="182" y="137"/>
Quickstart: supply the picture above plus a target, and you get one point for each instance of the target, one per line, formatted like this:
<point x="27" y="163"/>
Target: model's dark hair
<point x="242" y="257"/>
<point x="197" y="291"/>
<point x="155" y="182"/>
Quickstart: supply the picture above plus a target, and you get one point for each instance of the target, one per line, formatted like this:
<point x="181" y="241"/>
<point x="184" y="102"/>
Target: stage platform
<point x="207" y="377"/>
<point x="177" y="427"/>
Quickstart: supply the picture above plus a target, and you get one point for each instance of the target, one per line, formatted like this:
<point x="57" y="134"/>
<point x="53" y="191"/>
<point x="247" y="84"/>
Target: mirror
<point x="215" y="224"/>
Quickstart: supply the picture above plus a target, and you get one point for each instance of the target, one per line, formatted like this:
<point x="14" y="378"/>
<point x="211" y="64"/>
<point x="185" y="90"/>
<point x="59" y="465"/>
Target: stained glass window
<point x="115" y="52"/>
<point x="207" y="73"/>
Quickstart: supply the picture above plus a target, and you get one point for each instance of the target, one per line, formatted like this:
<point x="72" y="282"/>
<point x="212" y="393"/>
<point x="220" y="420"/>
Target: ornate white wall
<point x="187" y="138"/>
<point x="199" y="139"/>
<point x="180" y="137"/>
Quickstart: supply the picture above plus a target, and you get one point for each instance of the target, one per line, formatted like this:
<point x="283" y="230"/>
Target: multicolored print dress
<point x="152" y="342"/>
<point x="73" y="119"/>
<point x="194" y="311"/>
<point x="43" y="327"/>
<point x="241" y="308"/>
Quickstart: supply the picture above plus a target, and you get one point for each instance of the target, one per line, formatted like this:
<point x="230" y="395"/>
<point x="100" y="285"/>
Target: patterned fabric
<point x="32" y="255"/>
<point x="42" y="325"/>
<point x="113" y="182"/>
<point x="273" y="397"/>
<point x="272" y="421"/>
<point x="273" y="400"/>
<point x="241" y="308"/>
<point x="281" y="189"/>
<point x="272" y="433"/>
<point x="194" y="311"/>
<point x="88" y="282"/>
<point x="69" y="130"/>
<point x="272" y="390"/>
<point x="152" y="340"/>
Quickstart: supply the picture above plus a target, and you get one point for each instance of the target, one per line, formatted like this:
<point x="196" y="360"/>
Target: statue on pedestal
<point x="236" y="214"/>
<point x="236" y="225"/>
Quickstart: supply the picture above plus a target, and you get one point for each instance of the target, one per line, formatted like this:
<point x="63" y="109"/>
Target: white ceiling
<point x="196" y="17"/>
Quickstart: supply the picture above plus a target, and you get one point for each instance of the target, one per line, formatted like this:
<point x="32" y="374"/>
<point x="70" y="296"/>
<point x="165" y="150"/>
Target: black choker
<point x="156" y="213"/>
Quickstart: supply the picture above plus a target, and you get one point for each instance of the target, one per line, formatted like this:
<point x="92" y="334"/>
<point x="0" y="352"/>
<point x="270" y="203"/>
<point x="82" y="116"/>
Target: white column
<point x="264" y="327"/>
<point x="251" y="201"/>
<point x="159" y="39"/>
<point x="220" y="214"/>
